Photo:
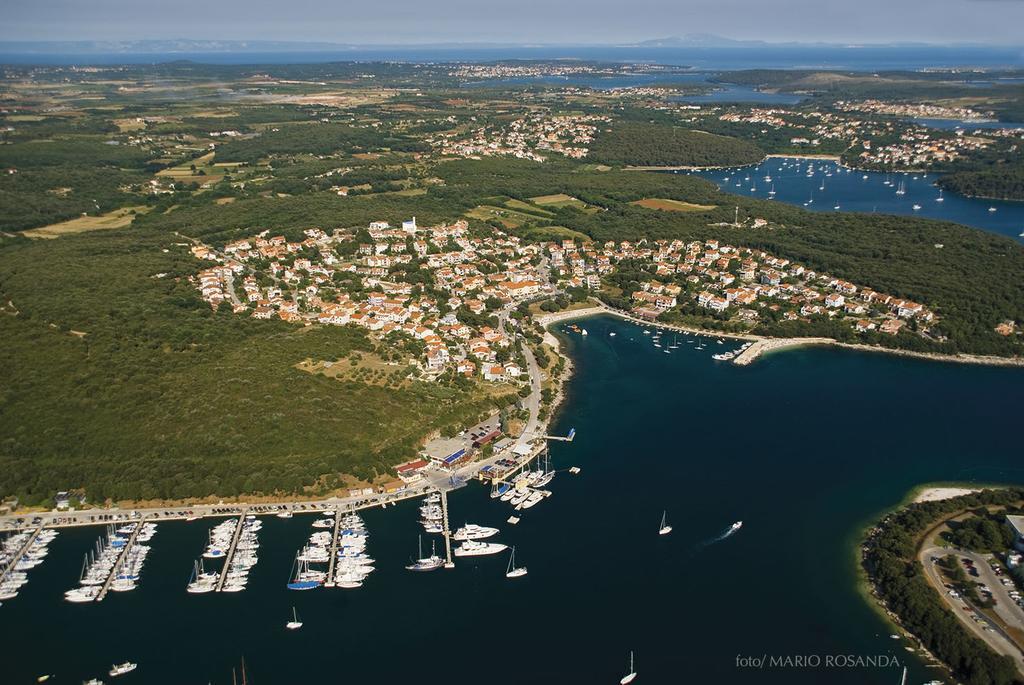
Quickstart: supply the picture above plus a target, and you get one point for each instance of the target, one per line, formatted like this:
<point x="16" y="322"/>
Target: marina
<point x="18" y="554"/>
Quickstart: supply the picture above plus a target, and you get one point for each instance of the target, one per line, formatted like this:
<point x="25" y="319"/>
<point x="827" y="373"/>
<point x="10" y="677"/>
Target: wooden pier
<point x="334" y="549"/>
<point x="231" y="551"/>
<point x="21" y="553"/>
<point x="120" y="560"/>
<point x="447" y="531"/>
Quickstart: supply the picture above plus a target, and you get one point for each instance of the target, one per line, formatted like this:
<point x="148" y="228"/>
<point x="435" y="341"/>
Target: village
<point x="337" y="280"/>
<point x="884" y="143"/>
<point x="737" y="283"/>
<point x="529" y="137"/>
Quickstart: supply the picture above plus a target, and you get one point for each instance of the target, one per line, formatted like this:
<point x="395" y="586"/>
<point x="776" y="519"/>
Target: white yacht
<point x="475" y="548"/>
<point x="121" y="669"/>
<point x="472" y="531"/>
<point x="535" y="497"/>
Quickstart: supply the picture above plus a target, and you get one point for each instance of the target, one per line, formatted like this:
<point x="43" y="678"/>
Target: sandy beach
<point x="940" y="493"/>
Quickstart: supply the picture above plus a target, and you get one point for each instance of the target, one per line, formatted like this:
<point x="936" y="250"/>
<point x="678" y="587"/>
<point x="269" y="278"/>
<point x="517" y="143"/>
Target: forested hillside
<point x="637" y="144"/>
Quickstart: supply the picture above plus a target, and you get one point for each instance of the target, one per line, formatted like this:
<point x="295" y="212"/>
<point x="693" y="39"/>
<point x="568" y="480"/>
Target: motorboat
<point x="472" y="531"/>
<point x="121" y="669"/>
<point x="475" y="548"/>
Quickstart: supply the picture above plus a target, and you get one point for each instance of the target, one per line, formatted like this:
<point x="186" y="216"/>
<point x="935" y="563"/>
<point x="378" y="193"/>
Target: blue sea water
<point x="805" y="447"/>
<point x="866" y="191"/>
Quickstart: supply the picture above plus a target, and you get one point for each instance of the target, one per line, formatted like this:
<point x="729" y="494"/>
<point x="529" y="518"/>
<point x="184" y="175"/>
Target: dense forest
<point x="1004" y="182"/>
<point x="637" y="144"/>
<point x="316" y="139"/>
<point x="896" y="575"/>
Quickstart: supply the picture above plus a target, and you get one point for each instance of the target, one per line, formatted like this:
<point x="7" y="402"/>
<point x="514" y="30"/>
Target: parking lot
<point x="439" y="448"/>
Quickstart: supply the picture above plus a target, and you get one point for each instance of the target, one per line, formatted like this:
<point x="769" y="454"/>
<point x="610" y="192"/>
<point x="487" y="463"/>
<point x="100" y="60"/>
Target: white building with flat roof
<point x="1016" y="524"/>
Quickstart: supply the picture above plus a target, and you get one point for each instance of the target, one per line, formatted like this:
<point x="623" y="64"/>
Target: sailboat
<point x="426" y="563"/>
<point x="512" y="571"/>
<point x="664" y="528"/>
<point x="295" y="623"/>
<point x="771" y="193"/>
<point x="902" y="190"/>
<point x="940" y="198"/>
<point x="631" y="676"/>
<point x="303" y="579"/>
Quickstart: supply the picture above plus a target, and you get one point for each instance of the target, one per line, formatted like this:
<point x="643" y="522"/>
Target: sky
<point x="514" y="21"/>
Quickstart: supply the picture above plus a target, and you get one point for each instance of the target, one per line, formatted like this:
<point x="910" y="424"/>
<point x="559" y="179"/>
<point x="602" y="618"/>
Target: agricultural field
<point x="119" y="218"/>
<point x="671" y="205"/>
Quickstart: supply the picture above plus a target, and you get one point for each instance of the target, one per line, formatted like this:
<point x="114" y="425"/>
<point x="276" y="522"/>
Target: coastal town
<point x="435" y="286"/>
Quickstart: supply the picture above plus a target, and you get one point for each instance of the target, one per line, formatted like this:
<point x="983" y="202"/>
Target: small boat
<point x="121" y="669"/>
<point x="295" y="623"/>
<point x="916" y="207"/>
<point x="583" y="331"/>
<point x="512" y="571"/>
<point x="991" y="209"/>
<point x="284" y="514"/>
<point x="631" y="676"/>
<point x="736" y="526"/>
<point x="612" y="334"/>
<point x="513" y="520"/>
<point x="664" y="528"/>
<point x="940" y="198"/>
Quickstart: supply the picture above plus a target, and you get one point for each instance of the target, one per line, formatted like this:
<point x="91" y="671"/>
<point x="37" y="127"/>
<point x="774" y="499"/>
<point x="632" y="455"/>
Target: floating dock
<point x="447" y="531"/>
<point x="334" y="549"/>
<point x="567" y="438"/>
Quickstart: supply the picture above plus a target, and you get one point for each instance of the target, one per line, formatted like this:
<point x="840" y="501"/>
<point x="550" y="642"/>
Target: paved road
<point x="995" y="637"/>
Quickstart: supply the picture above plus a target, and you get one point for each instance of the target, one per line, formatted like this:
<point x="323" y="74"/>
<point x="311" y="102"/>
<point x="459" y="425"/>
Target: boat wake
<point x="727" y="533"/>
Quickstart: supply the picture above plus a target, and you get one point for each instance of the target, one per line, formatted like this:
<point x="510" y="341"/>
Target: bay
<point x="866" y="191"/>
